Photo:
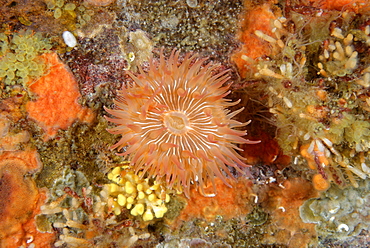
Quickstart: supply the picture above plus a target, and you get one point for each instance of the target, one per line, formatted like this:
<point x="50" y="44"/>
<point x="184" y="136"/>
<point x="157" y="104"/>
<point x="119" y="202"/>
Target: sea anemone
<point x="174" y="120"/>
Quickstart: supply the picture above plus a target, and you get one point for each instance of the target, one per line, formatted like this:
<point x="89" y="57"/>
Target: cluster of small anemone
<point x="61" y="9"/>
<point x="142" y="196"/>
<point x="19" y="56"/>
<point x="324" y="116"/>
<point x="81" y="218"/>
<point x="339" y="56"/>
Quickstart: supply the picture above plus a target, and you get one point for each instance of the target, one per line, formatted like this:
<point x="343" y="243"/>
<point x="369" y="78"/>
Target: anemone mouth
<point x="176" y="122"/>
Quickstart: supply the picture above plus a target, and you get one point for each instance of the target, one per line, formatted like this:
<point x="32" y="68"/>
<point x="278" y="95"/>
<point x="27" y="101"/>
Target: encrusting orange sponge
<point x="57" y="93"/>
<point x="253" y="47"/>
<point x="20" y="201"/>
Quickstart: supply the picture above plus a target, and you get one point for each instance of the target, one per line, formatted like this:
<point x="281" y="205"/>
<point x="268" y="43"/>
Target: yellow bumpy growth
<point x="142" y="196"/>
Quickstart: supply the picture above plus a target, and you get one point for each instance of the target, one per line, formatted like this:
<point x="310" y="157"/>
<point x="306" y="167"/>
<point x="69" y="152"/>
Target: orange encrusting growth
<point x="57" y="93"/>
<point x="174" y="122"/>
<point x="228" y="203"/>
<point x="253" y="47"/>
<point x="20" y="201"/>
<point x="342" y="5"/>
<point x="282" y="204"/>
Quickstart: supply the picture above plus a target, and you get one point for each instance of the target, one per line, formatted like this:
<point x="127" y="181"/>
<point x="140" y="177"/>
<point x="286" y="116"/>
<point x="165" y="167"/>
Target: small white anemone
<point x="69" y="39"/>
